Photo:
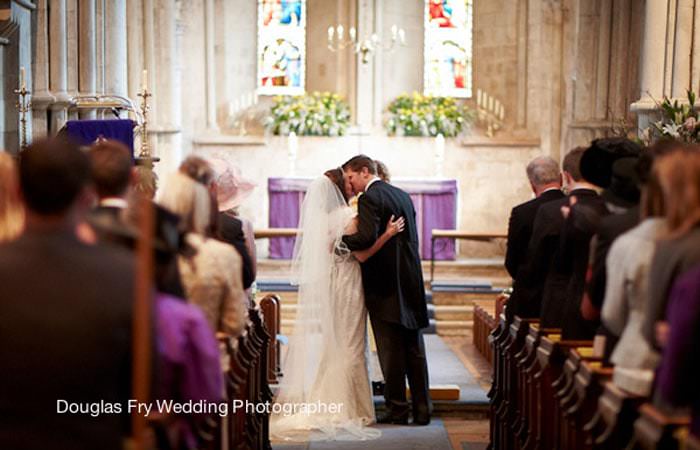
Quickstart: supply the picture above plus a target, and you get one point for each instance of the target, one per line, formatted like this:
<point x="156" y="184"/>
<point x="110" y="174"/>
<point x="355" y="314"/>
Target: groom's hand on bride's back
<point x="394" y="227"/>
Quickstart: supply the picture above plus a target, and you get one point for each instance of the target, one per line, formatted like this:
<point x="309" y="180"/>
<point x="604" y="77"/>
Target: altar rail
<point x="458" y="234"/>
<point x="550" y="393"/>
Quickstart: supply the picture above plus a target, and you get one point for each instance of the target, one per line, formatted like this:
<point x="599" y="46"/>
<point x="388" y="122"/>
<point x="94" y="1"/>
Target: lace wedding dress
<point x="325" y="393"/>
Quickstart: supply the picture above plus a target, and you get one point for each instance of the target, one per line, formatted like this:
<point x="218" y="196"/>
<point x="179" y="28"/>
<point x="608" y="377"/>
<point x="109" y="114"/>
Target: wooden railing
<point x="458" y="234"/>
<point x="267" y="233"/>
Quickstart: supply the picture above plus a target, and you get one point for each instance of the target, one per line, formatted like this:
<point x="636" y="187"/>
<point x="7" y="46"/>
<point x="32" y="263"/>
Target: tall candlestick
<point x="440" y="147"/>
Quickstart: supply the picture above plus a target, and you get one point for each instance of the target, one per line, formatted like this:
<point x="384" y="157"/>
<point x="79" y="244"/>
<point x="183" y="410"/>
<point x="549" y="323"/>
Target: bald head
<point x="543" y="173"/>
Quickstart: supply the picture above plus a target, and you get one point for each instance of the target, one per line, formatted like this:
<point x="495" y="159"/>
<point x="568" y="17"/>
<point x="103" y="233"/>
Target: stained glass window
<point x="281" y="46"/>
<point x="448" y="48"/>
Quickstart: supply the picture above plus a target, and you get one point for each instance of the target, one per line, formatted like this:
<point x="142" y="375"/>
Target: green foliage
<point x="425" y="115"/>
<point x="316" y="114"/>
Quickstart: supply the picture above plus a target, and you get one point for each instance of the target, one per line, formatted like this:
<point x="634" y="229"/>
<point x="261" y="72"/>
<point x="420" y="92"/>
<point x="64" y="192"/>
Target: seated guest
<point x="581" y="224"/>
<point x="66" y="314"/>
<point x="680" y="367"/>
<point x="223" y="188"/>
<point x="11" y="210"/>
<point x="211" y="271"/>
<point x="679" y="175"/>
<point x="545" y="180"/>
<point x="112" y="170"/>
<point x="626" y="293"/>
<point x="539" y="282"/>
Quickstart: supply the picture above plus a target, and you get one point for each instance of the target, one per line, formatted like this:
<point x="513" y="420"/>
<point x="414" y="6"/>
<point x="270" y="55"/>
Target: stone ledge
<point x="500" y="142"/>
<point x="223" y="140"/>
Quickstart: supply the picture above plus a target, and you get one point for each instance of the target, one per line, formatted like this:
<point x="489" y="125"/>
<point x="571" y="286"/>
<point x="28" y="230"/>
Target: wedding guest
<point x="679" y="175"/>
<point x="545" y="181"/>
<point x="680" y="367"/>
<point x="585" y="211"/>
<point x="11" y="209"/>
<point x="211" y="271"/>
<point x="223" y="184"/>
<point x="66" y="313"/>
<point x="145" y="182"/>
<point x="383" y="171"/>
<point x="539" y="280"/>
<point x="626" y="292"/>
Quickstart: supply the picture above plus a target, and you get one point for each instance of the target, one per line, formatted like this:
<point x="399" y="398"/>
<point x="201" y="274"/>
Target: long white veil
<point x="310" y="358"/>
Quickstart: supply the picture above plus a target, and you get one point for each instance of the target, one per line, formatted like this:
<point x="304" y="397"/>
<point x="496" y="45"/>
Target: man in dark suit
<point x="65" y="325"/>
<point x="394" y="291"/>
<point x="545" y="181"/>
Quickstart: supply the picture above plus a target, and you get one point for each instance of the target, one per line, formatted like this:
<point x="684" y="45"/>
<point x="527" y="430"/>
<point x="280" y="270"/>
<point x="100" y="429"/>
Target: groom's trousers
<point x="401" y="355"/>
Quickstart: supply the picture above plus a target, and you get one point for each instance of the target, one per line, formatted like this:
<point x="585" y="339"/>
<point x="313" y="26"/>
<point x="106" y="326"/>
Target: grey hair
<point x="543" y="170"/>
<point x="188" y="199"/>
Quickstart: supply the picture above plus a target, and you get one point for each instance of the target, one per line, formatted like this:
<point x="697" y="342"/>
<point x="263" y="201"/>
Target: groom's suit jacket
<point x="393" y="277"/>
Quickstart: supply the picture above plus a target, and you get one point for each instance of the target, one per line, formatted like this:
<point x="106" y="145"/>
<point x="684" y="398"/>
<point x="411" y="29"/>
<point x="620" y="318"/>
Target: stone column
<point x="682" y="49"/>
<point x="168" y="117"/>
<point x="653" y="60"/>
<point x="365" y="72"/>
<point x="41" y="96"/>
<point x="695" y="69"/>
<point x="210" y="68"/>
<point x="115" y="47"/>
<point x="88" y="57"/>
<point x="58" y="61"/>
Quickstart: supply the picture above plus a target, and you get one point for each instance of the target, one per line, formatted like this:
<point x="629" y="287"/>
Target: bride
<point x="325" y="393"/>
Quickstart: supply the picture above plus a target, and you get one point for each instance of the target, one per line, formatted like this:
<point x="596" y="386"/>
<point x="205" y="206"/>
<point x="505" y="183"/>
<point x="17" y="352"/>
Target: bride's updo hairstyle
<point x="336" y="176"/>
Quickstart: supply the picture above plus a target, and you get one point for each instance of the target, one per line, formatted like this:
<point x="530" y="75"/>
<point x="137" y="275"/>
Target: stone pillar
<point x="115" y="47"/>
<point x="88" y="57"/>
<point x="168" y="116"/>
<point x="135" y="47"/>
<point x="58" y="61"/>
<point x="210" y="68"/>
<point x="653" y="60"/>
<point x="695" y="68"/>
<point x="41" y="96"/>
<point x="365" y="72"/>
<point x="682" y="49"/>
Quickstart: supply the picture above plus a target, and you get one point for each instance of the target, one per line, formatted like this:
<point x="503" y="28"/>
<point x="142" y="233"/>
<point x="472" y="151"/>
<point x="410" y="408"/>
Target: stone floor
<point x="452" y="360"/>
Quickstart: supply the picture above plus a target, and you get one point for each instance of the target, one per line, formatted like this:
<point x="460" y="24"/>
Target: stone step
<point x="438" y="312"/>
<point x="454" y="327"/>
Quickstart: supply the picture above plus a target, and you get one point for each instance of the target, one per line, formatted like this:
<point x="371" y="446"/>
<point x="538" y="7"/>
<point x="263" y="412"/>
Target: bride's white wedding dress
<point x="325" y="392"/>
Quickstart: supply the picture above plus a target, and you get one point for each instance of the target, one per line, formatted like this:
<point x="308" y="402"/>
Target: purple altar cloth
<point x="435" y="202"/>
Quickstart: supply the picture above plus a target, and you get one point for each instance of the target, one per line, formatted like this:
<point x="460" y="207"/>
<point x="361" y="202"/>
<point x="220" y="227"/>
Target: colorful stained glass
<point x="281" y="46"/>
<point x="448" y="48"/>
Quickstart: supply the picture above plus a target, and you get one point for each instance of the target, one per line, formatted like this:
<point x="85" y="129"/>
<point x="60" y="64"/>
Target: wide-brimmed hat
<point x="597" y="161"/>
<point x="624" y="190"/>
<point x="232" y="188"/>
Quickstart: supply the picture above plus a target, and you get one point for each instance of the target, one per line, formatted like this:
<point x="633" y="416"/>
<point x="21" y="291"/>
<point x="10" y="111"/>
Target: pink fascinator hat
<point x="232" y="188"/>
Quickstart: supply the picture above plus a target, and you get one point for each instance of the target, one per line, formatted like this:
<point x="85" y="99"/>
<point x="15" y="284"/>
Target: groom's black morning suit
<point x="395" y="297"/>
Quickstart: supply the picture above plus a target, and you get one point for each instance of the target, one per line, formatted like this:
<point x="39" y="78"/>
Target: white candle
<point x="478" y="97"/>
<point x="293" y="145"/>
<point x="501" y="113"/>
<point x="331" y="31"/>
<point x="236" y="106"/>
<point x="440" y="147"/>
<point x="22" y="80"/>
<point x="490" y="103"/>
<point x="402" y="36"/>
<point x="353" y="33"/>
<point x="144" y="80"/>
<point x="340" y="32"/>
<point x="394" y="31"/>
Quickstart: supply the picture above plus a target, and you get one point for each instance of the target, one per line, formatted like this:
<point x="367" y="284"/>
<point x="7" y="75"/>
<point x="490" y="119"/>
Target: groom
<point x="394" y="291"/>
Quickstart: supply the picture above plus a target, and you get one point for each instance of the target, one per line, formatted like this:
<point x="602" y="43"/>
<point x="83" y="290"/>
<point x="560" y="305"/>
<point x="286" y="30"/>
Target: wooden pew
<point x="484" y="324"/>
<point x="498" y="339"/>
<point x="656" y="429"/>
<point x="270" y="306"/>
<point x="582" y="416"/>
<point x="617" y="411"/>
<point x="692" y="443"/>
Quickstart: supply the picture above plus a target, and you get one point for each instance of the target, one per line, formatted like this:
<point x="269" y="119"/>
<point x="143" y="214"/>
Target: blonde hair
<point x="11" y="209"/>
<point x="188" y="199"/>
<point x="679" y="177"/>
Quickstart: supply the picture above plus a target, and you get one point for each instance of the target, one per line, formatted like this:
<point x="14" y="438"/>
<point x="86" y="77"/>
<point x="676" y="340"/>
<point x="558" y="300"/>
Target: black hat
<point x="598" y="159"/>
<point x="624" y="190"/>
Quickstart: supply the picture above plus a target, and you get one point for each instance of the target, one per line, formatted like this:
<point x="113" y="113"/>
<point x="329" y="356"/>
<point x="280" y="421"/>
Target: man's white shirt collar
<point x="371" y="182"/>
<point x="114" y="202"/>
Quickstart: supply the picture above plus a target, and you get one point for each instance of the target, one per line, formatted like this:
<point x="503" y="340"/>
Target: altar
<point x="435" y="202"/>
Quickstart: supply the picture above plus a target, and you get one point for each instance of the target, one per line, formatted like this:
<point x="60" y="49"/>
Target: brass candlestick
<point x="23" y="104"/>
<point x="490" y="112"/>
<point x="145" y="149"/>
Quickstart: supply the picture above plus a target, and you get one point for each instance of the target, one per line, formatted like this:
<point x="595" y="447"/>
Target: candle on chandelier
<point x="402" y="36"/>
<point x="340" y="32"/>
<point x="22" y="80"/>
<point x="353" y="33"/>
<point x="331" y="31"/>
